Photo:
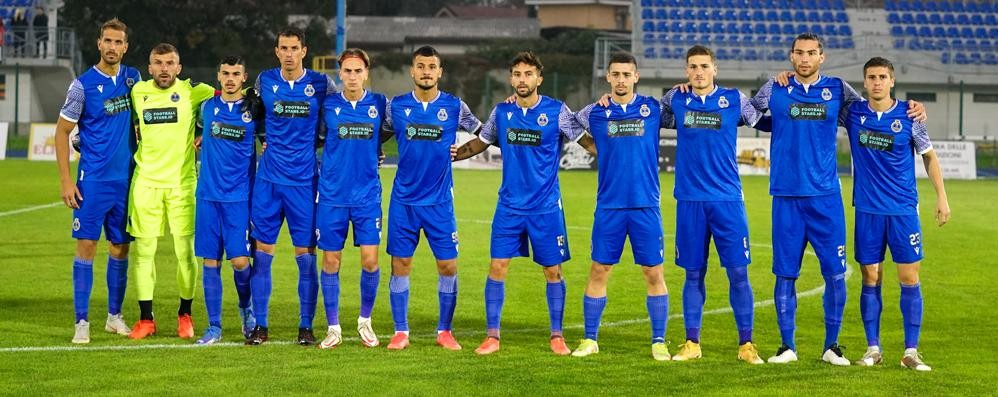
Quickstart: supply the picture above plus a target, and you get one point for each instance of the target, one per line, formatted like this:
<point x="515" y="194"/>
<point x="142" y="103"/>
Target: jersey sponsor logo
<point x="876" y="141"/>
<point x="542" y="120"/>
<point x="309" y="90"/>
<point x="117" y="105"/>
<point x="808" y="111"/>
<point x="228" y="131"/>
<point x="520" y="136"/>
<point x="704" y="120"/>
<point x="722" y="102"/>
<point x="175" y="97"/>
<point x="424" y="132"/>
<point x="159" y="115"/>
<point x="826" y="94"/>
<point x="622" y="128"/>
<point x="355" y="130"/>
<point x="372" y="112"/>
<point x="645" y="111"/>
<point x="442" y="115"/>
<point x="896" y="126"/>
<point x="247" y="117"/>
<point x="296" y="109"/>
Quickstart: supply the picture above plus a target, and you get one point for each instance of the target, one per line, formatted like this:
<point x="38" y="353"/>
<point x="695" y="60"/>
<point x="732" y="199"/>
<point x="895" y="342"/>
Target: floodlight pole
<point x="341" y="26"/>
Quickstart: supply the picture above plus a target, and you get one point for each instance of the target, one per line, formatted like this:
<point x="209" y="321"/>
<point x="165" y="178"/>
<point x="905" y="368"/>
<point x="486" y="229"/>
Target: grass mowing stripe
<point x="29" y="209"/>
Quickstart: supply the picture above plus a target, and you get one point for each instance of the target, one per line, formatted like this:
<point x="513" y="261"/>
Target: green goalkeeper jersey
<point x="166" y="122"/>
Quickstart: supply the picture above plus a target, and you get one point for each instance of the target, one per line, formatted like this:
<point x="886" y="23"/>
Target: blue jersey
<point x="101" y="107"/>
<point x="626" y="139"/>
<point x="805" y="123"/>
<point x="349" y="174"/>
<point x="228" y="152"/>
<point x="530" y="140"/>
<point x="707" y="127"/>
<point x="884" y="167"/>
<point x="291" y="124"/>
<point x="425" y="132"/>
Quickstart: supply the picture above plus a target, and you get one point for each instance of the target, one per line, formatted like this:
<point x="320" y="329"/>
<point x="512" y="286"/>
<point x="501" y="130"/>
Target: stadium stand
<point x="957" y="32"/>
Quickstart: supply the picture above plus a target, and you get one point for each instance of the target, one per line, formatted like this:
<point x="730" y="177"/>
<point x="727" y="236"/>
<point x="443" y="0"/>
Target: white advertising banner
<point x="752" y="155"/>
<point x="490" y="159"/>
<point x="41" y="145"/>
<point x="3" y="140"/>
<point x="957" y="159"/>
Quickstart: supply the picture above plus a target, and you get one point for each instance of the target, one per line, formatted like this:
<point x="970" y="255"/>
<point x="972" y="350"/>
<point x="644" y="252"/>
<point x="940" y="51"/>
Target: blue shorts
<point x="438" y="224"/>
<point x="819" y="220"/>
<point x="273" y="202"/>
<point x="642" y="225"/>
<point x="221" y="226"/>
<point x="874" y="233"/>
<point x="104" y="206"/>
<point x="699" y="221"/>
<point x="513" y="234"/>
<point x="331" y="224"/>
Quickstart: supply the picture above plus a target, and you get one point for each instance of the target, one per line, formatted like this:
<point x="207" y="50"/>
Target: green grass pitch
<point x="36" y="314"/>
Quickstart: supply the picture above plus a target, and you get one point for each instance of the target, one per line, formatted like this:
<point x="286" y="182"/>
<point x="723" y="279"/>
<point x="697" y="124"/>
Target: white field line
<point x="764" y="303"/>
<point x="29" y="209"/>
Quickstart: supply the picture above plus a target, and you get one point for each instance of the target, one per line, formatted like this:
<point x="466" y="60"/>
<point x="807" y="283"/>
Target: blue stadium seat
<point x="952" y="31"/>
<point x="703" y="27"/>
<point x="690" y="40"/>
<point x="897" y="31"/>
<point x="993" y="33"/>
<point x="776" y="41"/>
<point x="987" y="46"/>
<point x="971" y="6"/>
<point x="759" y="28"/>
<point x="660" y="3"/>
<point x="957" y="44"/>
<point x="935" y="19"/>
<point x="945" y="58"/>
<point x="817" y="29"/>
<point x="730" y="15"/>
<point x="841" y="17"/>
<point x="722" y="54"/>
<point x="904" y="6"/>
<point x="731" y="27"/>
<point x="800" y="16"/>
<point x="990" y="20"/>
<point x="890" y="5"/>
<point x="827" y="17"/>
<point x="930" y="5"/>
<point x="961" y="59"/>
<point x="661" y="26"/>
<point x="777" y="55"/>
<point x="848" y="43"/>
<point x="966" y="32"/>
<point x="646" y="3"/>
<point x="717" y="15"/>
<point x="719" y="40"/>
<point x="987" y="7"/>
<point x="921" y="19"/>
<point x="944" y="6"/>
<point x="661" y="14"/>
<point x="939" y="31"/>
<point x="648" y="38"/>
<point x="975" y="58"/>
<point x="773" y="28"/>
<point x="746" y="28"/>
<point x="943" y="44"/>
<point x="899" y="43"/>
<point x="787" y="29"/>
<point x="717" y="27"/>
<point x="689" y="14"/>
<point x="734" y="41"/>
<point x="910" y="31"/>
<point x="962" y="19"/>
<point x="838" y="4"/>
<point x="751" y="55"/>
<point x="833" y="43"/>
<point x="663" y="38"/>
<point x="786" y="16"/>
<point x="924" y="31"/>
<point x="981" y="33"/>
<point x="772" y="15"/>
<point x="971" y="45"/>
<point x="893" y="18"/>
<point x="736" y="53"/>
<point x="917" y="5"/>
<point x="831" y="30"/>
<point x="907" y="18"/>
<point x="647" y="14"/>
<point x="977" y="19"/>
<point x="702" y="15"/>
<point x="813" y="16"/>
<point x="675" y="14"/>
<point x="990" y="59"/>
<point x="648" y="26"/>
<point x="845" y="30"/>
<point x="800" y="28"/>
<point x="650" y="53"/>
<point x="949" y="19"/>
<point x="758" y="15"/>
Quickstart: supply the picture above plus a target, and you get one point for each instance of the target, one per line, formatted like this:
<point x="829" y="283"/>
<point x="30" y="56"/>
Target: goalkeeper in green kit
<point x="162" y="190"/>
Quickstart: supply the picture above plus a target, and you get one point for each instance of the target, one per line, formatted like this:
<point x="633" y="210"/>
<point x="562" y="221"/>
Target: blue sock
<point x="242" y="280"/>
<point x="368" y="291"/>
<point x="83" y="283"/>
<point x="495" y="293"/>
<point x="556" y="305"/>
<point x="742" y="302"/>
<point x="308" y="289"/>
<point x="398" y="287"/>
<point x="117" y="282"/>
<point x="447" y="291"/>
<point x="212" y="283"/>
<point x="261" y="285"/>
<point x="911" y="311"/>
<point x="658" y="311"/>
<point x="331" y="296"/>
<point x="835" y="303"/>
<point x="694" y="296"/>
<point x="592" y="312"/>
<point x="870" y="307"/>
<point x="785" y="297"/>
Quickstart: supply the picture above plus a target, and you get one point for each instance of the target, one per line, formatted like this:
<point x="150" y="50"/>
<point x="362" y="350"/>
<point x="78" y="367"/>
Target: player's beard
<point x="425" y="87"/>
<point x="530" y="91"/>
<point x="112" y="62"/>
<point x="168" y="84"/>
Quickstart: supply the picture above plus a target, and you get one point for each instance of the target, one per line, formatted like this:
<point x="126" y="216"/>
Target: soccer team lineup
<point x="222" y="171"/>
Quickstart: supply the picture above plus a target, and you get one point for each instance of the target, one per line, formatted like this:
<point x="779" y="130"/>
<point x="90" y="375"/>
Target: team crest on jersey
<point x="442" y="115"/>
<point x="722" y="102"/>
<point x="100" y="88"/>
<point x="862" y="119"/>
<point x="407" y="111"/>
<point x="372" y="112"/>
<point x="644" y="110"/>
<point x="76" y="224"/>
<point x="542" y="120"/>
<point x="608" y="111"/>
<point x="896" y="126"/>
<point x="309" y="90"/>
<point x="130" y="82"/>
<point x="509" y="115"/>
<point x="175" y="97"/>
<point x="216" y="111"/>
<point x="247" y="117"/>
<point x="337" y="110"/>
<point x="826" y="94"/>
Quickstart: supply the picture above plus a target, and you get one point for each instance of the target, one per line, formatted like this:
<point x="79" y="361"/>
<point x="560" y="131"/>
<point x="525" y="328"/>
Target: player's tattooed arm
<point x="468" y="149"/>
<point x="587" y="142"/>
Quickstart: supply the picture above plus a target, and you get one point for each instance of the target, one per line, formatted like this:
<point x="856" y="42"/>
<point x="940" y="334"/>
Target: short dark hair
<point x="291" y="31"/>
<point x="527" y="58"/>
<point x="878" y="62"/>
<point x="700" y="50"/>
<point x="354" y="53"/>
<point x="622" y="57"/>
<point x="232" y="60"/>
<point x="164" y="48"/>
<point x="114" y="24"/>
<point x="425" y="51"/>
<point x="809" y="36"/>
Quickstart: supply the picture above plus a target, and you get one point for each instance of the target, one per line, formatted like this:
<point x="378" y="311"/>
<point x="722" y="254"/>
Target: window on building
<point x="986" y="97"/>
<point x="922" y="96"/>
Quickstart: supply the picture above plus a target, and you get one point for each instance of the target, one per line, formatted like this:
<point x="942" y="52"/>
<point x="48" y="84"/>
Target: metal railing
<point x="55" y="44"/>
